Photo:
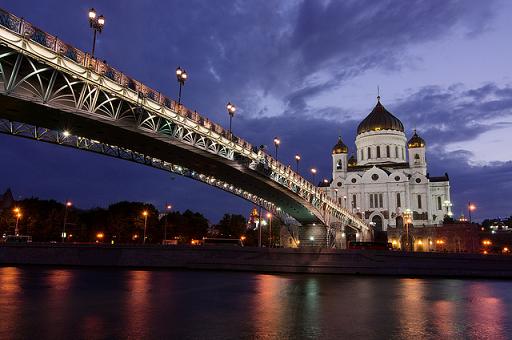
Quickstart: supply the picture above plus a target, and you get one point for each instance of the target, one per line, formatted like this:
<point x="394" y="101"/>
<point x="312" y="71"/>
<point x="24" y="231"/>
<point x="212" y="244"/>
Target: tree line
<point x="123" y="222"/>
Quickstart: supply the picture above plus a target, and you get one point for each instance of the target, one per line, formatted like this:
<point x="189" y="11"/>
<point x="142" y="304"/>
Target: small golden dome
<point x="340" y="147"/>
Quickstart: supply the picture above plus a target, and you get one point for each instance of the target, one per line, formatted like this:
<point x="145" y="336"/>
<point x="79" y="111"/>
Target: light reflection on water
<point x="47" y="303"/>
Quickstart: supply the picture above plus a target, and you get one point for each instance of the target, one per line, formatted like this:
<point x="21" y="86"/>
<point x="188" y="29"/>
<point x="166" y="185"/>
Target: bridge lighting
<point x="297" y="160"/>
<point x="231" y="111"/>
<point x="97" y="24"/>
<point x="277" y="141"/>
<point x="313" y="172"/>
<point x="66" y="133"/>
<point x="181" y="76"/>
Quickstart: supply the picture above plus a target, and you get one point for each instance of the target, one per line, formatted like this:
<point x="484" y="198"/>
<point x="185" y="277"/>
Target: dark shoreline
<point x="263" y="260"/>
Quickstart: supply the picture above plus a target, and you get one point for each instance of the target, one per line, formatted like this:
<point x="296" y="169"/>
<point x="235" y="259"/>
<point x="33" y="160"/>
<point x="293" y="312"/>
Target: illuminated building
<point x="387" y="175"/>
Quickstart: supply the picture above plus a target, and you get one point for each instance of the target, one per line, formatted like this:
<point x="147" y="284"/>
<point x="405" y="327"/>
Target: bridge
<point x="55" y="93"/>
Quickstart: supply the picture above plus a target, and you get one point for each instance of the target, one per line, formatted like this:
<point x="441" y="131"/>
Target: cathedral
<point x="387" y="176"/>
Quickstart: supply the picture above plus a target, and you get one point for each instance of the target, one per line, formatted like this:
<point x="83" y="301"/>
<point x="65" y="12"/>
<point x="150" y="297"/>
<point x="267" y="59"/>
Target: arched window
<point x="403" y="153"/>
<point x="362" y="154"/>
<point x="398" y="201"/>
<point x="339" y="165"/>
<point x="416" y="156"/>
<point x="378" y="151"/>
<point x="369" y="153"/>
<point x="388" y="151"/>
<point x="396" y="152"/>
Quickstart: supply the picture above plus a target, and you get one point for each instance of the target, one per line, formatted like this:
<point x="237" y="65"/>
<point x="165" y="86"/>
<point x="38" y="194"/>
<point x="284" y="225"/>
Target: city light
<point x="69" y="204"/>
<point x="486" y="242"/>
<point x="66" y="133"/>
<point x="100" y="235"/>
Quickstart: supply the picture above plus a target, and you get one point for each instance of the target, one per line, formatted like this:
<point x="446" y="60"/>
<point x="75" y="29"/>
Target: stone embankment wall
<point x="313" y="260"/>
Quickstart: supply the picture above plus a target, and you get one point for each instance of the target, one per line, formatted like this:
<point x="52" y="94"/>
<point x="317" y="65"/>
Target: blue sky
<point x="306" y="71"/>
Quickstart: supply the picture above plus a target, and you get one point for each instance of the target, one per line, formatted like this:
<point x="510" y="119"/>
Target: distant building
<point x="456" y="237"/>
<point x="387" y="175"/>
<point x="6" y="200"/>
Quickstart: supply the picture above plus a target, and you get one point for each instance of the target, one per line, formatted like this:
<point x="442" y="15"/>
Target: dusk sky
<point x="306" y="71"/>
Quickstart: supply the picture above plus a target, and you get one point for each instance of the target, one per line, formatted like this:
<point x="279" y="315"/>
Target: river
<point x="62" y="303"/>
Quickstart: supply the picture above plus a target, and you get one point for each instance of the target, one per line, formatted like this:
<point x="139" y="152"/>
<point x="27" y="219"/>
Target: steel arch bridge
<point x="53" y="92"/>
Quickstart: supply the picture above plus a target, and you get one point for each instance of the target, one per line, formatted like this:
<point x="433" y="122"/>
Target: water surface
<point x="49" y="303"/>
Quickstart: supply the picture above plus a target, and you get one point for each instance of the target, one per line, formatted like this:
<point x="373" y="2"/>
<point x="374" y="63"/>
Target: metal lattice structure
<point x="53" y="92"/>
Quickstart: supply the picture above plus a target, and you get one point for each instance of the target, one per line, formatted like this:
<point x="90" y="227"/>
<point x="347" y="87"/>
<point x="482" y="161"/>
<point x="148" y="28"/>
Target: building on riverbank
<point x="456" y="237"/>
<point x="387" y="175"/>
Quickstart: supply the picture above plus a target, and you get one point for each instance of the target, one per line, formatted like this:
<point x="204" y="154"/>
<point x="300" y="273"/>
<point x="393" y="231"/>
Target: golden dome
<point x="416" y="141"/>
<point x="340" y="147"/>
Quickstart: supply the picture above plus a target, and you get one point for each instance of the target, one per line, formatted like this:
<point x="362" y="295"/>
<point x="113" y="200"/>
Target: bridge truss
<point x="39" y="68"/>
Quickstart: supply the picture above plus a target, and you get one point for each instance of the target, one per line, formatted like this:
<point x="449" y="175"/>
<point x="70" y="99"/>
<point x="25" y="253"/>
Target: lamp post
<point x="231" y="111"/>
<point x="447" y="204"/>
<point x="471" y="207"/>
<point x="17" y="213"/>
<point x="407" y="220"/>
<point x="181" y="76"/>
<point x="297" y="160"/>
<point x="66" y="207"/>
<point x="96" y="23"/>
<point x="313" y="172"/>
<point x="145" y="214"/>
<point x="269" y="216"/>
<point x="168" y="208"/>
<point x="277" y="141"/>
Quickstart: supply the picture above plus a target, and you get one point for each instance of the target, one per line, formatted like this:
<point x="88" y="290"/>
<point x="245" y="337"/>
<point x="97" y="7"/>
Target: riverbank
<point x="313" y="260"/>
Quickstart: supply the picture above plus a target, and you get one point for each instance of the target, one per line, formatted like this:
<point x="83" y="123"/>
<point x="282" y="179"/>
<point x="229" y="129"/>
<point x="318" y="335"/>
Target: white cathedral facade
<point x="387" y="176"/>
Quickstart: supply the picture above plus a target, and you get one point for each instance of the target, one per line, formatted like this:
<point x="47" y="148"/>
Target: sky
<point x="306" y="71"/>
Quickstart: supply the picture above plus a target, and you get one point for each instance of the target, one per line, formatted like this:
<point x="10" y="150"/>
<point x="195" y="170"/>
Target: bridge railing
<point x="33" y="33"/>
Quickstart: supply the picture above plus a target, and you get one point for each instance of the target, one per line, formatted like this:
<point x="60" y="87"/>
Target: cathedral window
<point x="419" y="202"/>
<point x="416" y="156"/>
<point x="403" y="153"/>
<point x="338" y="165"/>
<point x="396" y="151"/>
<point x="362" y="154"/>
<point x="353" y="201"/>
<point x="439" y="206"/>
<point x="376" y="201"/>
<point x="378" y="151"/>
<point x="388" y="151"/>
<point x="398" y="201"/>
<point x="369" y="153"/>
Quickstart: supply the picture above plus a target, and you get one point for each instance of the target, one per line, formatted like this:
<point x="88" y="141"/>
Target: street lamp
<point x="269" y="216"/>
<point x="448" y="205"/>
<point x="17" y="213"/>
<point x="313" y="172"/>
<point x="96" y="23"/>
<point x="66" y="207"/>
<point x="181" y="76"/>
<point x="168" y="208"/>
<point x="231" y="111"/>
<point x="277" y="141"/>
<point x="408" y="220"/>
<point x="297" y="160"/>
<point x="471" y="207"/>
<point x="145" y="214"/>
